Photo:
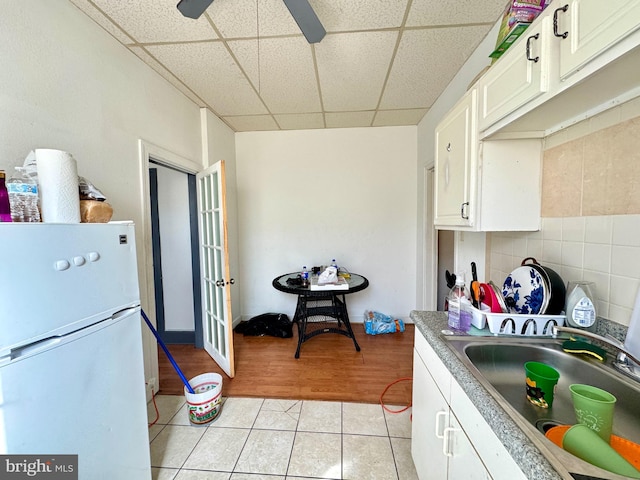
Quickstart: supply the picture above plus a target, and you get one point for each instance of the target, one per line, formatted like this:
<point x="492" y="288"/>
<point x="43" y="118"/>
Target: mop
<point x="164" y="347"/>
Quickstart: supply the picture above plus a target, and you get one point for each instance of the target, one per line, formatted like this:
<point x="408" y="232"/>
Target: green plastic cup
<point x="585" y="443"/>
<point x="541" y="383"/>
<point x="594" y="408"/>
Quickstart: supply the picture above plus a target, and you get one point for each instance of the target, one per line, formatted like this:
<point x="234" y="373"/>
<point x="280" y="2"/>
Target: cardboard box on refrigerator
<point x="517" y="16"/>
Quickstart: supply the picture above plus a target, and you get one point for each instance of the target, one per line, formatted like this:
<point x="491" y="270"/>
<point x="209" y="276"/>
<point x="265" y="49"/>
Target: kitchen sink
<point x="498" y="364"/>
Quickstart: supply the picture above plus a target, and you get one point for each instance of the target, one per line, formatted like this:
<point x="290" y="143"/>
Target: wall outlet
<point x="151" y="385"/>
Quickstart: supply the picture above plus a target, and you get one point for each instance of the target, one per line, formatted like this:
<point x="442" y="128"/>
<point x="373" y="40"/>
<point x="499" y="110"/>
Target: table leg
<point x="300" y="317"/>
<point x="345" y="319"/>
<point x="337" y="310"/>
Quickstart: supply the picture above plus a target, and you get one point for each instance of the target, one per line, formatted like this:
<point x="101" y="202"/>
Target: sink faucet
<point x="625" y="362"/>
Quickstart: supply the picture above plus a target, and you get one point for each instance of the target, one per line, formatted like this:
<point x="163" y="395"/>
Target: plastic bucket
<point x="205" y="404"/>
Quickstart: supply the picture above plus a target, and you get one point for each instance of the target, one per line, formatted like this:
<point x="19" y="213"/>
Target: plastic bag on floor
<point x="272" y="324"/>
<point x="376" y="323"/>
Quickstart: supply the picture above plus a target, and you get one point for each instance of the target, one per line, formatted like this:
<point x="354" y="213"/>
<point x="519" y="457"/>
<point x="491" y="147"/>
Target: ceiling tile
<point x="242" y="19"/>
<point x="352" y="69"/>
<point x="251" y="123"/>
<point x="349" y="15"/>
<point x="387" y="118"/>
<point x="89" y="9"/>
<point x="426" y="62"/>
<point x="290" y="89"/>
<point x="348" y="119"/>
<point x="300" y="121"/>
<point x="212" y="74"/>
<point x="153" y="63"/>
<point x="282" y="82"/>
<point x="156" y="21"/>
<point x="428" y="12"/>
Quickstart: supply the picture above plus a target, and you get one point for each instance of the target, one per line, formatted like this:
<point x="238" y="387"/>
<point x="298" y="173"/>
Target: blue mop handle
<point x="164" y="347"/>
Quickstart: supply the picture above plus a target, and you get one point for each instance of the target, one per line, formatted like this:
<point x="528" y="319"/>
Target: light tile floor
<point x="265" y="439"/>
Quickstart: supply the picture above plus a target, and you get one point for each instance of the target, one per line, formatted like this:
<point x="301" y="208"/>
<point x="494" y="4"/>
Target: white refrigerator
<point x="71" y="364"/>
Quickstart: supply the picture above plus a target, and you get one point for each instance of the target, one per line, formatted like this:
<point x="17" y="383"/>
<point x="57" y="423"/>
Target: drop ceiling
<point x="382" y="62"/>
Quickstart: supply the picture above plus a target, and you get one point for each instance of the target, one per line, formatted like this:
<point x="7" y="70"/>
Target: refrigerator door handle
<point x="50" y="342"/>
<point x="35" y="347"/>
<point x="124" y="312"/>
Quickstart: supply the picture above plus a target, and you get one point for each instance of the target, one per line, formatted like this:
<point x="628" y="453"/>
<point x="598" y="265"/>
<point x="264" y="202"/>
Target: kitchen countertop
<point x="524" y="452"/>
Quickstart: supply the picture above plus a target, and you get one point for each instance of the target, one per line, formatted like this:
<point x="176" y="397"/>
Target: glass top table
<point x="320" y="311"/>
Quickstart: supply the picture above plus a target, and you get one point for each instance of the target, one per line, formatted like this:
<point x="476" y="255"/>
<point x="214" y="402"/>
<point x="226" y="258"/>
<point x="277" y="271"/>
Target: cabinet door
<point x="456" y="141"/>
<point x="521" y="75"/>
<point x="592" y="26"/>
<point x="464" y="461"/>
<point x="430" y="416"/>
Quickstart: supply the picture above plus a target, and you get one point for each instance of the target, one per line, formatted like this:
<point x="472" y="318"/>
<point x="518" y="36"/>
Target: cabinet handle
<point x="534" y="37"/>
<point x="438" y="423"/>
<point x="446" y="440"/>
<point x="462" y="210"/>
<point x="449" y="147"/>
<point x="555" y="22"/>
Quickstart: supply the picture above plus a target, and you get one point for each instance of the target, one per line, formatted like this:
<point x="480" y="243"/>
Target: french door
<point x="217" y="319"/>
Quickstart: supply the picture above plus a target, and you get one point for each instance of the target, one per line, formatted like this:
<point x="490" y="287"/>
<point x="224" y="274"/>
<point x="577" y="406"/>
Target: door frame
<point x="147" y="151"/>
<point x="430" y="243"/>
<point x="190" y="337"/>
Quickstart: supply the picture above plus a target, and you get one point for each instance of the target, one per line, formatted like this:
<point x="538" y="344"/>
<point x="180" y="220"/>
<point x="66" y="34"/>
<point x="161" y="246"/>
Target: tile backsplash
<point x="590" y="228"/>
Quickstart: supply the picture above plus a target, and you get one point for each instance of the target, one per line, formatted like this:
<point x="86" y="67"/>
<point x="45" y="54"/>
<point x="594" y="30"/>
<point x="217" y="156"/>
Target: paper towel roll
<point x="58" y="179"/>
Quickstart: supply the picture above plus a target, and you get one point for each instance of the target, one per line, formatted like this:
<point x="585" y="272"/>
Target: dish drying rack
<point x="516" y="323"/>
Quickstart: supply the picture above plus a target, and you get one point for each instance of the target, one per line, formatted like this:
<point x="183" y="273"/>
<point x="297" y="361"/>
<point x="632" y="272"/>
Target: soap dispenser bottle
<point x="459" y="312"/>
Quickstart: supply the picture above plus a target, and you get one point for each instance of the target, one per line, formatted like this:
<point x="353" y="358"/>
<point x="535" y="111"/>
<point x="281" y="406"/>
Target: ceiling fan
<point x="300" y="10"/>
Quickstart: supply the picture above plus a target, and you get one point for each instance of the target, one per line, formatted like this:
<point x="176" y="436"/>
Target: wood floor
<point x="329" y="368"/>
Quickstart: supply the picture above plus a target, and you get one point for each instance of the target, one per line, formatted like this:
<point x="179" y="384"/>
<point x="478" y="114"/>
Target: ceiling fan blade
<point x="193" y="8"/>
<point x="306" y="19"/>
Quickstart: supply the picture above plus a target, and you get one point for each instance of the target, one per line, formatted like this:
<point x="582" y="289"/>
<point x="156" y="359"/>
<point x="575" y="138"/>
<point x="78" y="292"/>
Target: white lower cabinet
<point x="449" y="437"/>
<point x="429" y="415"/>
<point x="464" y="461"/>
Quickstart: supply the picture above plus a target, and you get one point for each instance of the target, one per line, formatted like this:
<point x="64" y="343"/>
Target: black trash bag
<point x="272" y="324"/>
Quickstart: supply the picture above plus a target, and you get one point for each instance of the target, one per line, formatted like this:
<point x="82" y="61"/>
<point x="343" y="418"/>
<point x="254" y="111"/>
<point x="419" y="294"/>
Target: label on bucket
<point x="205" y="403"/>
<point x="198" y="415"/>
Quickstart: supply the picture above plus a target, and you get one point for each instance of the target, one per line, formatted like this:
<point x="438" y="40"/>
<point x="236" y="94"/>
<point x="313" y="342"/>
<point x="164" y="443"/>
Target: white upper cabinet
<point x="521" y="75"/>
<point x="456" y="150"/>
<point x="587" y="53"/>
<point x="589" y="27"/>
<point x="484" y="186"/>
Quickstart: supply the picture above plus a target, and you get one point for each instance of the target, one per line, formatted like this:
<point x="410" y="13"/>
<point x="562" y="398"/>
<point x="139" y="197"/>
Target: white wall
<point x="67" y="84"/>
<point x="426" y="148"/>
<point x="307" y="196"/>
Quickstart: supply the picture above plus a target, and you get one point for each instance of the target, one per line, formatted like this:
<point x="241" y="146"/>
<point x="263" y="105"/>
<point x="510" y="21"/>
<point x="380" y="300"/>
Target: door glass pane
<point x="217" y="230"/>
<point x="221" y="331"/>
<point x="214" y="190"/>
